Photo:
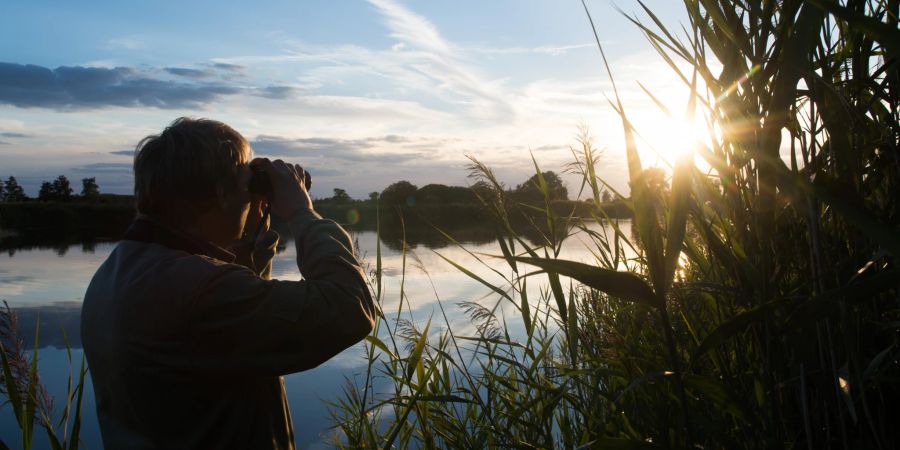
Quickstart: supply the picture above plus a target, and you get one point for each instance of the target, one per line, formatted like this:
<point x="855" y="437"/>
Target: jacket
<point x="186" y="349"/>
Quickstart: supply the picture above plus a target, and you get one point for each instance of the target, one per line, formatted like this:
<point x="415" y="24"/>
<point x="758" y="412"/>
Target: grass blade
<point x="677" y="217"/>
<point x="624" y="285"/>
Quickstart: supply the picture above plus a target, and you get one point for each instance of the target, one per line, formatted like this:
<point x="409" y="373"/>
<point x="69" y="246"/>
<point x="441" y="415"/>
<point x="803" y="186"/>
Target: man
<point x="186" y="346"/>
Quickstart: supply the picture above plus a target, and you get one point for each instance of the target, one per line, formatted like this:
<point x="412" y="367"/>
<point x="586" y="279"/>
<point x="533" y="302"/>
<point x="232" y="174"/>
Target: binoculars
<point x="261" y="184"/>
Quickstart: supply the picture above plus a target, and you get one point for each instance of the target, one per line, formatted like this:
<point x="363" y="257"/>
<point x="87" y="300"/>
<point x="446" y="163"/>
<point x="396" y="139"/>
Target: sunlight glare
<point x="668" y="138"/>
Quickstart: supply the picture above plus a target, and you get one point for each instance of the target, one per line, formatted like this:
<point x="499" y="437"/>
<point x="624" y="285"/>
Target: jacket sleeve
<point x="241" y="323"/>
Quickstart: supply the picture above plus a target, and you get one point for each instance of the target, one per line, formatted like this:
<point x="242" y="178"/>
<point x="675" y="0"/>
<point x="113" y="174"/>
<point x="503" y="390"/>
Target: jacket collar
<point x="145" y="229"/>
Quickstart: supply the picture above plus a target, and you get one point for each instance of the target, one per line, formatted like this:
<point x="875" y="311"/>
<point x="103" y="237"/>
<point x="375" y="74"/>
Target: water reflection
<point x="59" y="242"/>
<point x="393" y="232"/>
<point x="44" y="281"/>
<point x="58" y="323"/>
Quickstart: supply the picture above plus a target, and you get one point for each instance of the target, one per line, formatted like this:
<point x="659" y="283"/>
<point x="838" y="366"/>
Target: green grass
<point x="762" y="309"/>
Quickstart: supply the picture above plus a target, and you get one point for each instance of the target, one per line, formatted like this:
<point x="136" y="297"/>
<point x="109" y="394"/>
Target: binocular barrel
<point x="261" y="184"/>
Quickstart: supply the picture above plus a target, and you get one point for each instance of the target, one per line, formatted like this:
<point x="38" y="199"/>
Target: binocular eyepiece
<point x="260" y="183"/>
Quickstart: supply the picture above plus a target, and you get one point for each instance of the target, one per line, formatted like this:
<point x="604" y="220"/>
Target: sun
<point x="664" y="138"/>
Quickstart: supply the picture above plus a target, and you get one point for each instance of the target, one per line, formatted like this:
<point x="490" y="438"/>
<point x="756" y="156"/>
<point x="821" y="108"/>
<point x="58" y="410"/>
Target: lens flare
<point x="353" y="216"/>
<point x="734" y="86"/>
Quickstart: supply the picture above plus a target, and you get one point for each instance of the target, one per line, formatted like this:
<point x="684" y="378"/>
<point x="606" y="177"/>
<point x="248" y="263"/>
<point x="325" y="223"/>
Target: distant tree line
<point x="404" y="194"/>
<point x="58" y="190"/>
<point x="455" y="206"/>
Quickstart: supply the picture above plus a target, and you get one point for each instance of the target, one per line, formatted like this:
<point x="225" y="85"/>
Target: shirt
<point x="186" y="349"/>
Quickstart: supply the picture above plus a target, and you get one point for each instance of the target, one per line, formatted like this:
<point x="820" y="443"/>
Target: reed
<point x="762" y="307"/>
<point x="21" y="386"/>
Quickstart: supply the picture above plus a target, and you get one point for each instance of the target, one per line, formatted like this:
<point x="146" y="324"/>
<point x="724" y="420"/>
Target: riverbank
<point x="110" y="215"/>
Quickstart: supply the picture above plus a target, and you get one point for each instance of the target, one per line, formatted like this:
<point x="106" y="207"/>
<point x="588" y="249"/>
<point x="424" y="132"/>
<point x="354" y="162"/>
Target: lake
<point x="47" y="283"/>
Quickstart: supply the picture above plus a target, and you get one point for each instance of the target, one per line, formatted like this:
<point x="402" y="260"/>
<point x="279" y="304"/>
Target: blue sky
<point x="361" y="93"/>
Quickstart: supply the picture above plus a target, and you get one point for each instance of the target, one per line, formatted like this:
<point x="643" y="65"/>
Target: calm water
<point x="48" y="283"/>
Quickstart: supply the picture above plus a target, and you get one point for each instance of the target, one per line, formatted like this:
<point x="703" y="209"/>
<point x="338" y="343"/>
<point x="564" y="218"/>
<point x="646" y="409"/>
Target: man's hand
<point x="257" y="248"/>
<point x="289" y="194"/>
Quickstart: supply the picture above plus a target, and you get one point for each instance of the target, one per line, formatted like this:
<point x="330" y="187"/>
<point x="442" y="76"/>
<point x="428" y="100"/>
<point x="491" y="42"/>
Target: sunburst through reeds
<point x="761" y="308"/>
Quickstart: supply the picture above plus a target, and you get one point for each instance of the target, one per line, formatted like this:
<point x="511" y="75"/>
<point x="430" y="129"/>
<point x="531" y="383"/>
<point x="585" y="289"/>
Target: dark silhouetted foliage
<point x="439" y="193"/>
<point x="341" y="196"/>
<point x="529" y="191"/>
<point x="398" y="194"/>
<point x="89" y="188"/>
<point x="13" y="192"/>
<point x="60" y="190"/>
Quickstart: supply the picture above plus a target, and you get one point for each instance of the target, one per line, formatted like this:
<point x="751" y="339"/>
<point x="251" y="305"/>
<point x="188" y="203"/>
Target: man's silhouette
<point x="187" y="341"/>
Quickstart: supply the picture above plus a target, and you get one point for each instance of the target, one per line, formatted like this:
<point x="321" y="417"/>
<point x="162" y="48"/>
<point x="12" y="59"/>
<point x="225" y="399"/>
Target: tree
<point x="442" y="194"/>
<point x="59" y="190"/>
<point x="341" y="196"/>
<point x="62" y="188"/>
<point x="398" y="194"/>
<point x="656" y="179"/>
<point x="14" y="192"/>
<point x="606" y="197"/>
<point x="2" y="196"/>
<point x="89" y="187"/>
<point x="528" y="192"/>
<point x="46" y="193"/>
<point x="373" y="196"/>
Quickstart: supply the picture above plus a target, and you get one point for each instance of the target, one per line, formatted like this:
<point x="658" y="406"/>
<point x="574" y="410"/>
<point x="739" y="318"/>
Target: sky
<point x="361" y="93"/>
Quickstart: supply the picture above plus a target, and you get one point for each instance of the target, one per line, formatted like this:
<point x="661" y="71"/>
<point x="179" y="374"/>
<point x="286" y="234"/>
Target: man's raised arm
<point x="242" y="323"/>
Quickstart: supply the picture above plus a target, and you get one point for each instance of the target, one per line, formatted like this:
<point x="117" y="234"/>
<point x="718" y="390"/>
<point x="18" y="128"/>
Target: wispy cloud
<point x="553" y="50"/>
<point x="14" y="135"/>
<point x="188" y="73"/>
<point x="368" y="150"/>
<point x="412" y="28"/>
<point x="229" y="67"/>
<point x="124" y="43"/>
<point x="121" y="168"/>
<point x="278" y="91"/>
<point x="441" y="61"/>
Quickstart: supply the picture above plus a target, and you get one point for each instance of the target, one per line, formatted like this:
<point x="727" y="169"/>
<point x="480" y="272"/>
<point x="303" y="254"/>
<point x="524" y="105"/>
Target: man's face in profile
<point x="236" y="207"/>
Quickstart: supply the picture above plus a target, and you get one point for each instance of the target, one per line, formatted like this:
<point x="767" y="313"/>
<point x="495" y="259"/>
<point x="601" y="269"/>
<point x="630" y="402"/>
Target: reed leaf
<point x="374" y="340"/>
<point x="475" y="277"/>
<point x="718" y="393"/>
<point x="733" y="326"/>
<point x="75" y="437"/>
<point x="31" y="396"/>
<point x="618" y="444"/>
<point x="414" y="362"/>
<point x="624" y="285"/>
<point x="887" y="36"/>
<point x="677" y="215"/>
<point x="12" y="390"/>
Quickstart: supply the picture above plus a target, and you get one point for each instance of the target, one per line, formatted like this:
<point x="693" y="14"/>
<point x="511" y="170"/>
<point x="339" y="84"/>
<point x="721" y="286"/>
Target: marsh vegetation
<point x="761" y="308"/>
